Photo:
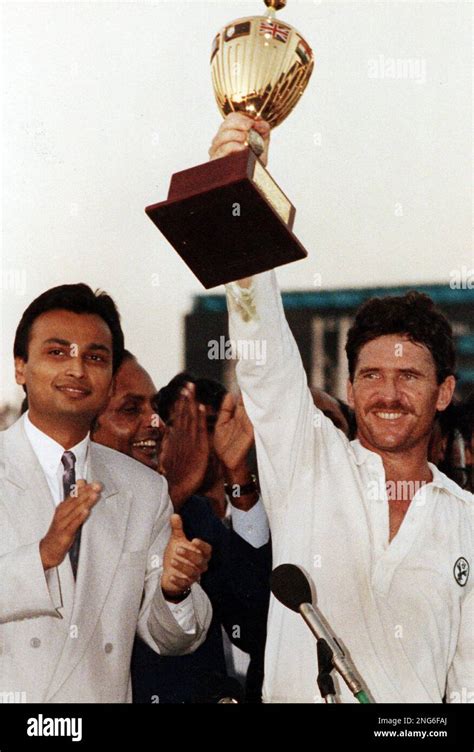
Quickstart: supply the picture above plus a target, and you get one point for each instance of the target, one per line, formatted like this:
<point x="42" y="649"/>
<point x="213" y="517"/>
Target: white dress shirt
<point x="49" y="453"/>
<point x="252" y="525"/>
<point x="402" y="609"/>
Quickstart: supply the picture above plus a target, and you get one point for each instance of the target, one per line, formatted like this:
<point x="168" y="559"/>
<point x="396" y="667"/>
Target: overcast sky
<point x="103" y="101"/>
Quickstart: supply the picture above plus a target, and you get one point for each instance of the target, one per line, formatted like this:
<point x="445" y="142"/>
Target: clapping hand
<point x="184" y="453"/>
<point x="184" y="561"/>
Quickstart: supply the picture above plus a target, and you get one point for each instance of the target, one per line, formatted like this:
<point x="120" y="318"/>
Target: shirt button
<point x="108" y="647"/>
<point x="35" y="642"/>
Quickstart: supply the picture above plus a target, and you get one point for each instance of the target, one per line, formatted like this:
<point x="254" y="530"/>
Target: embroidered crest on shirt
<point x="461" y="571"/>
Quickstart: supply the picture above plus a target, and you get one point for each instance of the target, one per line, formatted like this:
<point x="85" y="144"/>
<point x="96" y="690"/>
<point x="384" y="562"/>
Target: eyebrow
<point x="66" y="343"/>
<point x="137" y="397"/>
<point x="368" y="369"/>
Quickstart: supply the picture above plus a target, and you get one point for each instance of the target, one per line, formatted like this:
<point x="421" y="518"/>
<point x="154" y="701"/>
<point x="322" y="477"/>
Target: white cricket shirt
<point x="404" y="610"/>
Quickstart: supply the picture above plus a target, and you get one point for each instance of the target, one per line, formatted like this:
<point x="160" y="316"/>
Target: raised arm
<point x="290" y="433"/>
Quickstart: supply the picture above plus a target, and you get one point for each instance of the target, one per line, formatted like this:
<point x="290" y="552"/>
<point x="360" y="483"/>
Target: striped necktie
<point x="69" y="480"/>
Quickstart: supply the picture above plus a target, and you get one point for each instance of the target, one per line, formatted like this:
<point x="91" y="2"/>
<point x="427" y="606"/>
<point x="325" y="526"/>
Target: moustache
<point x="392" y="407"/>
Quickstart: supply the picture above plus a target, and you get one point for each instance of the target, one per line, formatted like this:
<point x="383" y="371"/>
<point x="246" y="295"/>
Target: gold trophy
<point x="228" y="218"/>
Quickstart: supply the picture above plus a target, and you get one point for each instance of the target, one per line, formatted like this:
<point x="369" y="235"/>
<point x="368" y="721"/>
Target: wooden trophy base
<point x="228" y="219"/>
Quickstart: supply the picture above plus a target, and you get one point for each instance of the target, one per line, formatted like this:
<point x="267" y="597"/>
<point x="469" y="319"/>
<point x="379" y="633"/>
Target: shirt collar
<point x="361" y="454"/>
<point x="440" y="480"/>
<point x="49" y="452"/>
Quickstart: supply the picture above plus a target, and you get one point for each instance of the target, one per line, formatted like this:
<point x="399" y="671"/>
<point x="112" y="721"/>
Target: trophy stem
<point x="255" y="142"/>
<point x="274" y="5"/>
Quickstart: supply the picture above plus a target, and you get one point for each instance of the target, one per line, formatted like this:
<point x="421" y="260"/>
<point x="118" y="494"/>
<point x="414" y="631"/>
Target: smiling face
<point x="395" y="394"/>
<point x="129" y="421"/>
<point x="68" y="372"/>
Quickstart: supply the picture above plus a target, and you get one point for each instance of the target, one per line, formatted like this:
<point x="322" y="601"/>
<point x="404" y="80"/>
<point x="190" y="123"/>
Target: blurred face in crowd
<point x="68" y="373"/>
<point x="437" y="445"/>
<point x="129" y="423"/>
<point x="460" y="461"/>
<point x="331" y="409"/>
<point x="395" y="394"/>
<point x="214" y="472"/>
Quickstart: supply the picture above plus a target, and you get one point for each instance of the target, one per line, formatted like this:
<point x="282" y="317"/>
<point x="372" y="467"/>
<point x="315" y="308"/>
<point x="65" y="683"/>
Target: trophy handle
<point x="255" y="141"/>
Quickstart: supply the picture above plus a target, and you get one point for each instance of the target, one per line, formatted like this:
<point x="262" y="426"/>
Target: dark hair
<point x="413" y="315"/>
<point x="466" y="417"/>
<point x="77" y="298"/>
<point x="448" y="419"/>
<point x="208" y="392"/>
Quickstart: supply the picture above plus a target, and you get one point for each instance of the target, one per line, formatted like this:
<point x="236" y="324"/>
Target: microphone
<point x="291" y="587"/>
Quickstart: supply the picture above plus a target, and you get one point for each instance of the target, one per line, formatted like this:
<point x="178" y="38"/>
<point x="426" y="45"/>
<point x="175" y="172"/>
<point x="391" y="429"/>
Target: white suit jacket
<point x="62" y="641"/>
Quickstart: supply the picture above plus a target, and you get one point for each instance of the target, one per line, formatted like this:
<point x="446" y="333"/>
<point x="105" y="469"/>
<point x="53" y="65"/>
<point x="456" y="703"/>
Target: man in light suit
<point x="80" y="576"/>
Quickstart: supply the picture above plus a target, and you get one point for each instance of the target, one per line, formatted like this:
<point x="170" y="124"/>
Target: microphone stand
<point x="291" y="587"/>
<point x="325" y="666"/>
<point x="333" y="656"/>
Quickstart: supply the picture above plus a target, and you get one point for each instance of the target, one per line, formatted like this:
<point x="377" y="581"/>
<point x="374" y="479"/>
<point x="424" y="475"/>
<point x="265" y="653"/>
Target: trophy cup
<point x="227" y="218"/>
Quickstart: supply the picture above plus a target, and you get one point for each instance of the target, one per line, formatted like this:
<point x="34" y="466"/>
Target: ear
<point x="350" y="394"/>
<point x="445" y="393"/>
<point x="20" y="368"/>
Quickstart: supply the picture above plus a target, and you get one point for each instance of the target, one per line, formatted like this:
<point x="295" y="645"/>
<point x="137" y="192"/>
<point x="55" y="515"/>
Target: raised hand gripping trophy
<point x="228" y="219"/>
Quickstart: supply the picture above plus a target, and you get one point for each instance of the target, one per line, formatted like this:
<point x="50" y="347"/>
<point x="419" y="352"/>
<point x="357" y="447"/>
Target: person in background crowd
<point x="237" y="578"/>
<point x="336" y="410"/>
<point x="450" y="443"/>
<point x="466" y="427"/>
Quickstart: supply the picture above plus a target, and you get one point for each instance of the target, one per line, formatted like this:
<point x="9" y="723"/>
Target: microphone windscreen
<point x="290" y="586"/>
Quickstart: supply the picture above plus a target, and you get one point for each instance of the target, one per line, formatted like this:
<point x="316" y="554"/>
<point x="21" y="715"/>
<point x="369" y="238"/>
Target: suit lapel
<point x="101" y="548"/>
<point x="30" y="505"/>
<point x="29" y="500"/>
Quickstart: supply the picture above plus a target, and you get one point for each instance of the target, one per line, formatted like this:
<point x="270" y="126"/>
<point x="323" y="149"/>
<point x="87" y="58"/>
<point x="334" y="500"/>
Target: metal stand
<point x="325" y="665"/>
